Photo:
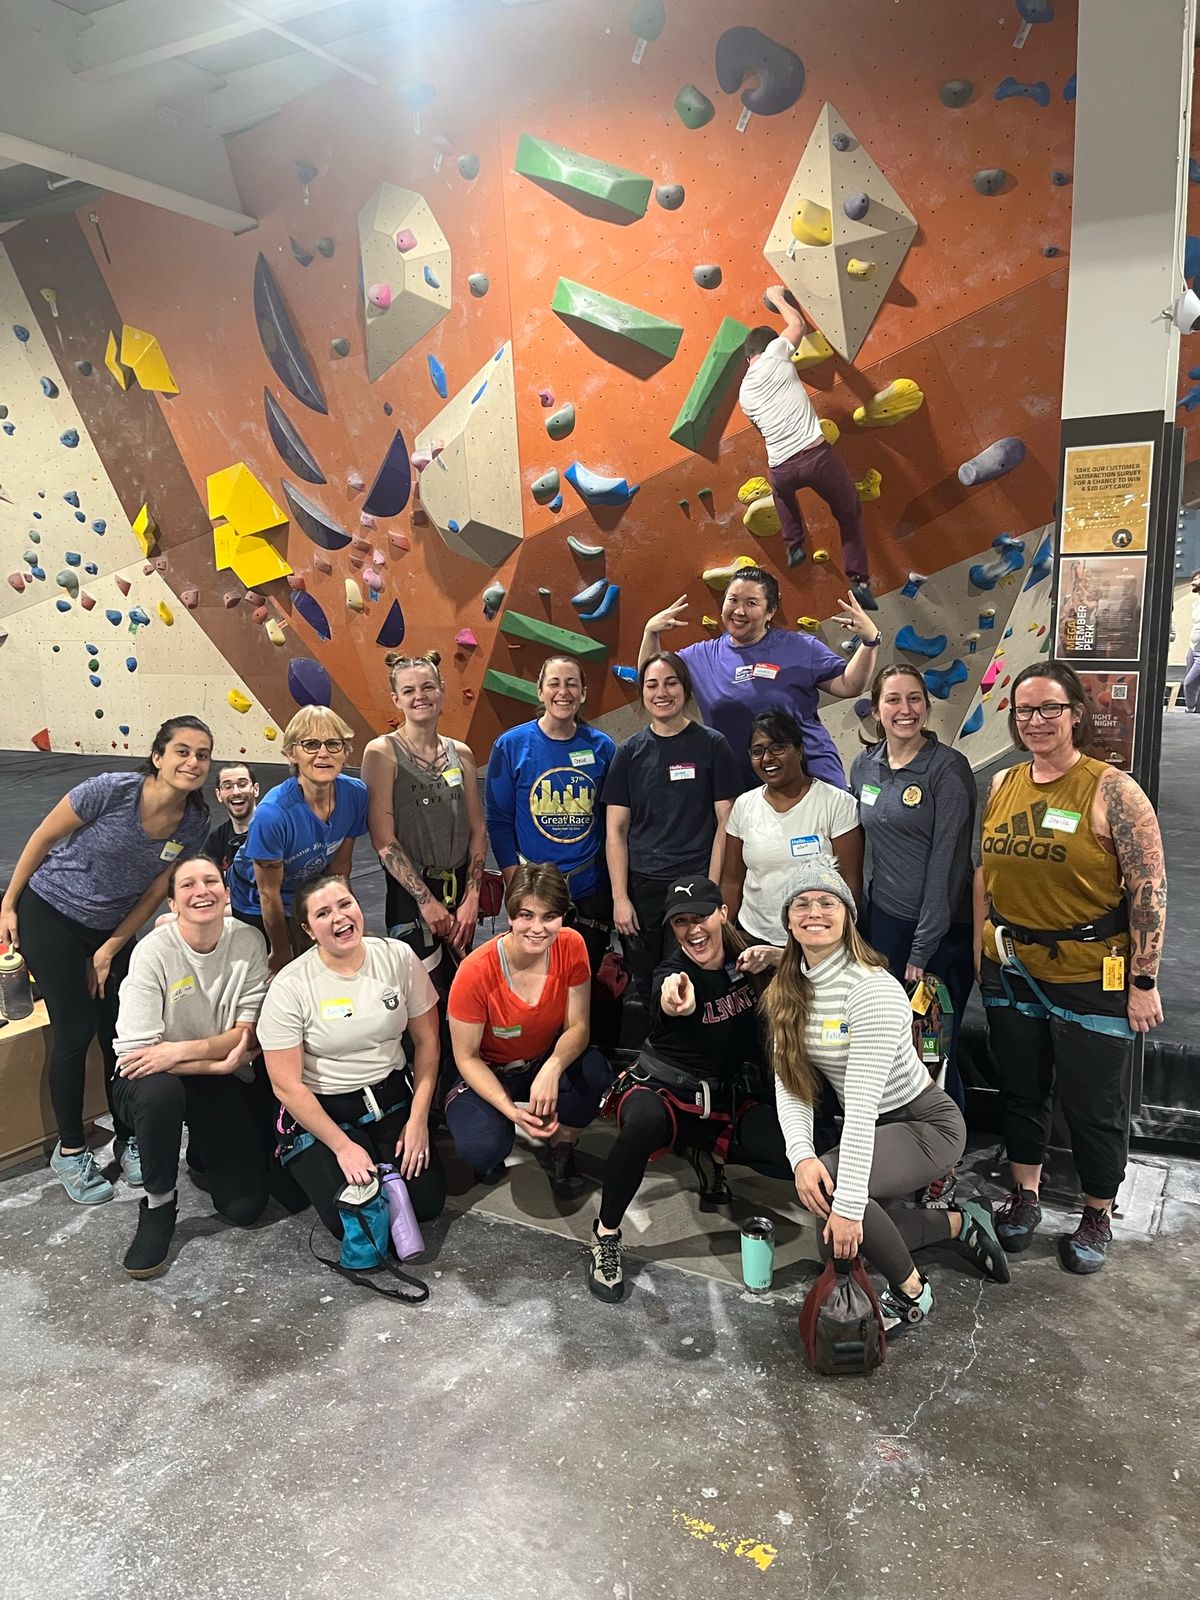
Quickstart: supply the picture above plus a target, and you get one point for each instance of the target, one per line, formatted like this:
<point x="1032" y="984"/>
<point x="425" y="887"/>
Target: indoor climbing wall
<point x="471" y="384"/>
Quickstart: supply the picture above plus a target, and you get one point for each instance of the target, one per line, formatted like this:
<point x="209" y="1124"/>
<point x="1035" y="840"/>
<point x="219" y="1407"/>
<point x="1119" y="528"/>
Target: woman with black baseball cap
<point x="694" y="1082"/>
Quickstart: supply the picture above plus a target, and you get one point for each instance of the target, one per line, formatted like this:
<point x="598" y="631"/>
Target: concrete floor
<point x="251" y="1427"/>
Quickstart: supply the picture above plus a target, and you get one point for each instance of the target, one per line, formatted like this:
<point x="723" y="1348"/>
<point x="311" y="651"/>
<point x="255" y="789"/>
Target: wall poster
<point x="1112" y="697"/>
<point x="1099" y="611"/>
<point x="1106" y="498"/>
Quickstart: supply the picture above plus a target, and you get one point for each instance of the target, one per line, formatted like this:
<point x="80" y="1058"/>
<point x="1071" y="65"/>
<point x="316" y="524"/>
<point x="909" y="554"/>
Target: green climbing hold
<point x="717" y="371"/>
<point x="561" y="423"/>
<point x="694" y="107"/>
<point x="578" y="303"/>
<point x="571" y="176"/>
<point x="546" y="487"/>
<point x="518" y="626"/>
<point x="515" y="688"/>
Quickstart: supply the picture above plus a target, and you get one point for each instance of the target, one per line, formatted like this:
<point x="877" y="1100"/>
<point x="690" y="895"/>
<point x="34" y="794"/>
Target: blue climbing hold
<point x="1059" y="178"/>
<point x="94" y="677"/>
<point x="1070" y="88"/>
<point x="597" y="489"/>
<point x="1193" y="170"/>
<point x="308" y="682"/>
<point x="62" y="605"/>
<point x="625" y="674"/>
<point x="1035" y="10"/>
<point x="1042" y="564"/>
<point x="123" y="728"/>
<point x="940" y="680"/>
<point x="856" y="205"/>
<point x="556" y="504"/>
<point x="70" y="438"/>
<point x="973" y="723"/>
<point x="431" y="278"/>
<point x="1012" y="89"/>
<point x="312" y="613"/>
<point x="917" y="644"/>
<point x="1190" y="400"/>
<point x="913" y="586"/>
<point x="987" y="619"/>
<point x="1011" y="558"/>
<point x="437" y="376"/>
<point x="1051" y="250"/>
<point x="73" y="558"/>
<point x="606" y="606"/>
<point x="452" y="526"/>
<point x="1191" y="256"/>
<point x="114" y="617"/>
<point x="131" y="663"/>
<point x="91" y="569"/>
<point x="587" y="599"/>
<point x="81" y="516"/>
<point x="9" y="428"/>
<point x="392" y="632"/>
<point x="99" y="525"/>
<point x="139" y="617"/>
<point x="38" y="572"/>
<point x="71" y="497"/>
<point x="50" y="388"/>
<point x="478" y="395"/>
<point x="21" y="333"/>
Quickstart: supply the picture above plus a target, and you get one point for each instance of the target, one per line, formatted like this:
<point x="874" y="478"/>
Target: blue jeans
<point x="1191" y="681"/>
<point x="483" y="1136"/>
<point x="953" y="962"/>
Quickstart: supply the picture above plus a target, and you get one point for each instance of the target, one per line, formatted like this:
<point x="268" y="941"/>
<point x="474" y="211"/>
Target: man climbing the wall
<point x="773" y="396"/>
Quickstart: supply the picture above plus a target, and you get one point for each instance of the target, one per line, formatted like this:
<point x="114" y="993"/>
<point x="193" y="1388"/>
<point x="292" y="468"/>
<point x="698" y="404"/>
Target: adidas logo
<point x="1024" y="835"/>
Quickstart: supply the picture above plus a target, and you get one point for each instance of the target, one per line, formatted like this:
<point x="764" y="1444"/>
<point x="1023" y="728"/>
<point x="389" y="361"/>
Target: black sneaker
<point x="492" y="1176"/>
<point x="714" y="1191"/>
<point x="562" y="1172"/>
<point x="1017" y="1219"/>
<point x="861" y="590"/>
<point x="796" y="554"/>
<point x="604" y="1265"/>
<point x="1086" y="1249"/>
<point x="978" y="1240"/>
<point x="147" y="1255"/>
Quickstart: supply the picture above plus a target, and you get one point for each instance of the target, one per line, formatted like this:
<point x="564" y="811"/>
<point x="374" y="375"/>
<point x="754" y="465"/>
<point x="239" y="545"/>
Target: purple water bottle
<point x="406" y="1232"/>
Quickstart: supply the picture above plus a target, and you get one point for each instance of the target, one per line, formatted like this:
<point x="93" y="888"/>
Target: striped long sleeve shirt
<point x="860" y="1037"/>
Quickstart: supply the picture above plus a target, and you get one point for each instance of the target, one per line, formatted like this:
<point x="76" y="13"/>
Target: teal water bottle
<point x="758" y="1253"/>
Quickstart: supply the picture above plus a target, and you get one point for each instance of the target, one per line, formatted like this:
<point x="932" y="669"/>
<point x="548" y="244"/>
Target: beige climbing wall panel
<point x="418" y="278"/>
<point x="1027" y="630"/>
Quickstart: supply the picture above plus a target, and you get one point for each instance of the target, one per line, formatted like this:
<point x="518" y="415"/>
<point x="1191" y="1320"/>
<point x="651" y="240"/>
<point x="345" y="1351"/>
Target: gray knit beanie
<point x="819" y="875"/>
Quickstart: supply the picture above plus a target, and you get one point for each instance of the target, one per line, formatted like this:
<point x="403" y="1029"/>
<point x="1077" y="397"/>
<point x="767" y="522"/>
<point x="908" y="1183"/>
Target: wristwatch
<point x="872" y="644"/>
<point x="1144" y="981"/>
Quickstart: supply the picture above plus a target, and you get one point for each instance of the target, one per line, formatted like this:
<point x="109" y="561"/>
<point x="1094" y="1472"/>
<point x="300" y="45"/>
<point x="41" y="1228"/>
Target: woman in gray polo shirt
<point x="916" y="801"/>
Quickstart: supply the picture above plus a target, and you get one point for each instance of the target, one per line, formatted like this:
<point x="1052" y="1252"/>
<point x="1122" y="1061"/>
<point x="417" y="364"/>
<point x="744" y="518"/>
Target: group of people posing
<point x="772" y="915"/>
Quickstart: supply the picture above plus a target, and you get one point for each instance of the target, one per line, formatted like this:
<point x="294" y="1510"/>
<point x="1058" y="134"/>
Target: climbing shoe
<point x="604" y="1264"/>
<point x="939" y="1195"/>
<point x="562" y="1172"/>
<point x="81" y="1177"/>
<point x="1017" y="1220"/>
<point x="131" y="1162"/>
<point x="147" y="1255"/>
<point x="492" y="1175"/>
<point x="901" y="1312"/>
<point x="861" y="590"/>
<point x="978" y="1240"/>
<point x="796" y="555"/>
<point x="714" y="1191"/>
<point x="1085" y="1249"/>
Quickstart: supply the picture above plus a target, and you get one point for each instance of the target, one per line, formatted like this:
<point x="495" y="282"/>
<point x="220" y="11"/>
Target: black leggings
<point x="646" y="1127"/>
<point x="58" y="950"/>
<point x="318" y="1174"/>
<point x="644" y="949"/>
<point x="228" y="1127"/>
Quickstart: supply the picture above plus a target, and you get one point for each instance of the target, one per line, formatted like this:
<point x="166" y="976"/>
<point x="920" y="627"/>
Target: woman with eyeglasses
<point x="773" y="828"/>
<point x="304" y="828"/>
<point x="1070" y="915"/>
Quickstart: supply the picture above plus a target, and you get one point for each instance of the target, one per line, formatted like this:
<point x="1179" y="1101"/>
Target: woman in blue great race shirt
<point x="754" y="667"/>
<point x="304" y="829"/>
<point x="543" y="799"/>
<point x="92" y="873"/>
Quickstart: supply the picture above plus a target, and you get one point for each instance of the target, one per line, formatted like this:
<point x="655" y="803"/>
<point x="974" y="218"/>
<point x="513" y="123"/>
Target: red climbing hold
<point x="42" y="740"/>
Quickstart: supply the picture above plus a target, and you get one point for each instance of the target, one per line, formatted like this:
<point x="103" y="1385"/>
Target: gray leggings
<point x="914" y="1145"/>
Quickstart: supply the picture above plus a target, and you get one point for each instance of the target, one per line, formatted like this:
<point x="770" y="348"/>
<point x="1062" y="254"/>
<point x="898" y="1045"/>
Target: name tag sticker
<point x="170" y="850"/>
<point x="583" y="758"/>
<point x="808" y="844"/>
<point x="453" y="776"/>
<point x="765" y="669"/>
<point x="1061" y="821"/>
<point x="682" y="770"/>
<point x="183" y="986"/>
<point x="743" y="674"/>
<point x="335" y="1010"/>
<point x="835" y="1030"/>
<point x="507" y="1033"/>
<point x="1114" y="973"/>
<point x="870" y="794"/>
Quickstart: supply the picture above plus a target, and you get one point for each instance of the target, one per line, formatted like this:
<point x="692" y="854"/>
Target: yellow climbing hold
<point x="142" y="354"/>
<point x="354" y="597"/>
<point x="830" y="430"/>
<point x="270" y="733"/>
<point x="812" y="223"/>
<point x="113" y="362"/>
<point x="860" y="269"/>
<point x="165" y="614"/>
<point x="753" y="489"/>
<point x="145" y="530"/>
<point x="811" y="624"/>
<point x="812" y="350"/>
<point x="239" y="701"/>
<point x="820" y="555"/>
<point x="891" y="405"/>
<point x="761" y="518"/>
<point x="714" y="623"/>
<point x="274" y="632"/>
<point x="870" y="485"/>
<point x="718" y="579"/>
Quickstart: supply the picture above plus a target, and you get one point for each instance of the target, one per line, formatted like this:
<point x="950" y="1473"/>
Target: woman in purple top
<point x="754" y="667"/>
<point x="93" y="871"/>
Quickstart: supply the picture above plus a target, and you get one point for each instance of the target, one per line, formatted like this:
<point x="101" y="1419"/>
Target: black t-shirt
<point x="669" y="786"/>
<point x="721" y="1033"/>
<point x="223" y="844"/>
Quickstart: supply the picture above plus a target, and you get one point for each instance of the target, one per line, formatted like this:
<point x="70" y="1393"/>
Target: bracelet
<point x="872" y="644"/>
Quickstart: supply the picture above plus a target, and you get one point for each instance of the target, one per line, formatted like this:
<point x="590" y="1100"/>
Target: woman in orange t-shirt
<point x="518" y="1010"/>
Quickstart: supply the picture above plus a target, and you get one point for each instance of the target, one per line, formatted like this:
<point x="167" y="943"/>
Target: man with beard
<point x="237" y="790"/>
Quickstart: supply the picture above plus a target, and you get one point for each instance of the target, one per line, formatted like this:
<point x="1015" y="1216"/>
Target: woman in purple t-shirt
<point x="754" y="667"/>
<point x="93" y="871"/>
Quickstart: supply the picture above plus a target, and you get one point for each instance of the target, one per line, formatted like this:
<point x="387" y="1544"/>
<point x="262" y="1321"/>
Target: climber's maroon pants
<point x="819" y="468"/>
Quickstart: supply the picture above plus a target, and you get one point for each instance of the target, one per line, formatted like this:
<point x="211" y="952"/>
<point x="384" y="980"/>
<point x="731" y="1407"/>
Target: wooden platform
<point x="26" y="1115"/>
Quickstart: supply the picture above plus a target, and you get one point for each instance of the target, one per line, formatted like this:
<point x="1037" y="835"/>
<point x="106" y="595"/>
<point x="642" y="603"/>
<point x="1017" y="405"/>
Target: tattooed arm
<point x="1132" y="828"/>
<point x="378" y="773"/>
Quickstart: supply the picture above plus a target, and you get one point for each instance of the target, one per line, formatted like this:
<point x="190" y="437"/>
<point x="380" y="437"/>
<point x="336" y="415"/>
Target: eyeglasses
<point x="1050" y="711"/>
<point x="778" y="748"/>
<point x="311" y="746"/>
<point x="235" y="783"/>
<point x="820" y="902"/>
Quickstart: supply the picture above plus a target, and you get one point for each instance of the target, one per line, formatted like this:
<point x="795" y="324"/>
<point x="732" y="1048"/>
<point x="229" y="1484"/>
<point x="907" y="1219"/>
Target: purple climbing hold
<point x="1059" y="178"/>
<point x="743" y="53"/>
<point x="437" y="376"/>
<point x="998" y="459"/>
<point x="312" y="613"/>
<point x="308" y="682"/>
<point x="389" y="493"/>
<point x="862" y="706"/>
<point x="392" y="632"/>
<point x="856" y="205"/>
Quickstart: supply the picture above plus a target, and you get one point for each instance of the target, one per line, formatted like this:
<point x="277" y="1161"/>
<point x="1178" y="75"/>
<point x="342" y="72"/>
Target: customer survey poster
<point x="1106" y="498"/>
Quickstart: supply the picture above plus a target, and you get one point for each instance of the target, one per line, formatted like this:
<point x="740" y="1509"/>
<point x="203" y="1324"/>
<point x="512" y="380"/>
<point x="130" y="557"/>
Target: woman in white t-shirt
<point x="332" y="1033"/>
<point x="772" y="829"/>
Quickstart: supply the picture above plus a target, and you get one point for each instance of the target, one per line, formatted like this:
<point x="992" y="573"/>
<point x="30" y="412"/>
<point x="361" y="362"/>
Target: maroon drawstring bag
<point x="841" y="1323"/>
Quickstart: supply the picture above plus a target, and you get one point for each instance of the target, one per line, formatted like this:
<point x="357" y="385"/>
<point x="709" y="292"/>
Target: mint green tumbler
<point x="758" y="1253"/>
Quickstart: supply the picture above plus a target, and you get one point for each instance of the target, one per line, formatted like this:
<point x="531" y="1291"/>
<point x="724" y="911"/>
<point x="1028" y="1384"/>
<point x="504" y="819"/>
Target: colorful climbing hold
<point x="718" y="579"/>
<point x="437" y="376"/>
<point x="577" y="303"/>
<point x="70" y="438"/>
<point x="280" y="341"/>
<point x="99" y="525"/>
<point x="625" y="674"/>
<point x="380" y="296"/>
<point x="468" y="166"/>
<point x="354" y="598"/>
<point x="812" y="223"/>
<point x="493" y="599"/>
<point x="478" y="283"/>
<point x="313" y="613"/>
<point x="994" y="462"/>
<point x="870" y="485"/>
<point x="389" y="493"/>
<point x="597" y="489"/>
<point x="692" y="105"/>
<point x="165" y="614"/>
<point x="914" y="643"/>
<point x="973" y="723"/>
<point x="596" y="187"/>
<point x="535" y="630"/>
<point x="591" y="596"/>
<point x="1011" y="89"/>
<point x="274" y="631"/>
<point x="62" y="605"/>
<point x="71" y="497"/>
<point x="989" y="180"/>
<point x="1010" y="558"/>
<point x="670" y="196"/>
<point x="545" y="487"/>
<point x="864" y="270"/>
<point x="761" y="518"/>
<point x="711" y="385"/>
<point x="956" y="92"/>
<point x="291" y="447"/>
<point x="900" y="399"/>
<point x="940" y="681"/>
<point x="606" y="606"/>
<point x="915" y="582"/>
<point x="561" y="423"/>
<point x="309" y="684"/>
<point x="431" y="277"/>
<point x="707" y="276"/>
<point x="465" y="639"/>
<point x="744" y="52"/>
<point x="856" y="205"/>
<point x="585" y="552"/>
<point x="392" y="631"/>
<point x="239" y="701"/>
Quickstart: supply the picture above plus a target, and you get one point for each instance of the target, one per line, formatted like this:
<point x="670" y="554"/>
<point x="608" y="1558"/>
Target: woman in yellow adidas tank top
<point x="1070" y="910"/>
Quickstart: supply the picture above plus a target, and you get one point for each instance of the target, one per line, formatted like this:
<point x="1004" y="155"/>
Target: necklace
<point x="437" y="765"/>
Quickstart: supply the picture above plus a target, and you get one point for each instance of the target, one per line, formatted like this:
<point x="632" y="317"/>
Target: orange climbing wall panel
<point x="975" y="315"/>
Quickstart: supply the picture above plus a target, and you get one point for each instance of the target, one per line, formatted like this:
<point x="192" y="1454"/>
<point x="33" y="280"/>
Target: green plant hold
<point x="694" y="106"/>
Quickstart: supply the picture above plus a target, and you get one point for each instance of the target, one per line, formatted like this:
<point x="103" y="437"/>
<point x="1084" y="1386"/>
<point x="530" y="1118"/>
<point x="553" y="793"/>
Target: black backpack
<point x="841" y="1323"/>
